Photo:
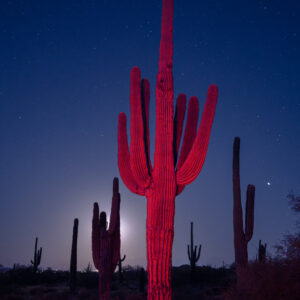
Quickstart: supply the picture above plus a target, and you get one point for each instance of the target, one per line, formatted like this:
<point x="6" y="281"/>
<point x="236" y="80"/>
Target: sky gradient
<point x="64" y="78"/>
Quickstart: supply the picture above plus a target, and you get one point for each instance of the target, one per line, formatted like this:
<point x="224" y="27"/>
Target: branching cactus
<point x="73" y="262"/>
<point x="171" y="171"/>
<point x="193" y="254"/>
<point x="262" y="251"/>
<point x="241" y="237"/>
<point x="106" y="242"/>
<point x="120" y="268"/>
<point x="36" y="256"/>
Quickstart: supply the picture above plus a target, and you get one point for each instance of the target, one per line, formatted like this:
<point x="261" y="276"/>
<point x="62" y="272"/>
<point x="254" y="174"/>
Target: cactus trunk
<point x="73" y="263"/>
<point x="168" y="177"/>
<point x="160" y="233"/>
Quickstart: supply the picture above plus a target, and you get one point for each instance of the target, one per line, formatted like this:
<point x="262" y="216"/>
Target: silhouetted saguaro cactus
<point x="106" y="242"/>
<point x="168" y="176"/>
<point x="37" y="256"/>
<point x="241" y="238"/>
<point x="262" y="250"/>
<point x="73" y="263"/>
<point x="120" y="268"/>
<point x="193" y="254"/>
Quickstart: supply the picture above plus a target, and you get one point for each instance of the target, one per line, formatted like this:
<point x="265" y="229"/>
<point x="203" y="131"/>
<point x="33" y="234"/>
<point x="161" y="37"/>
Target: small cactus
<point x="120" y="268"/>
<point x="193" y="254"/>
<point x="262" y="249"/>
<point x="36" y="256"/>
<point x="73" y="263"/>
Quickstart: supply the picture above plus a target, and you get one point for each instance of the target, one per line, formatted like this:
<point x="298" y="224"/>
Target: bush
<point x="273" y="280"/>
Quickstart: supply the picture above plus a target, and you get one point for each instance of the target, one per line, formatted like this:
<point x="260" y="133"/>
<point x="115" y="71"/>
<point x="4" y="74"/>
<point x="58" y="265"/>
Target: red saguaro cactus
<point x="171" y="171"/>
<point x="106" y="242"/>
<point x="241" y="238"/>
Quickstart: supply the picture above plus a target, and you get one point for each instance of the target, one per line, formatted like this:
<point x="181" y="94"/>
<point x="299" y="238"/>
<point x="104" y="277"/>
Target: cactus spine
<point x="106" y="242"/>
<point x="168" y="176"/>
<point x="36" y="256"/>
<point x="193" y="254"/>
<point x="120" y="268"/>
<point x="262" y="250"/>
<point x="241" y="238"/>
<point x="73" y="263"/>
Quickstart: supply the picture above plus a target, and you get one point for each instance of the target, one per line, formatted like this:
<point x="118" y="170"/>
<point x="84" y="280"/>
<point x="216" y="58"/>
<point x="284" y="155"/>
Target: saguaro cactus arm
<point x="124" y="158"/>
<point x="190" y="130"/>
<point x="96" y="235"/>
<point x="115" y="208"/>
<point x="178" y="124"/>
<point x="138" y="158"/>
<point x="122" y="259"/>
<point x="237" y="203"/>
<point x="145" y="111"/>
<point x="199" y="252"/>
<point x="249" y="225"/>
<point x="195" y="160"/>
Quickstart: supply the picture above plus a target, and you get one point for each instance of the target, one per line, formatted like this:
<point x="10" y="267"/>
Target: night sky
<point x="64" y="78"/>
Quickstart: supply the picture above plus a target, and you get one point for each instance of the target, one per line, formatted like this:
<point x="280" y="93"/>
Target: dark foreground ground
<point x="271" y="280"/>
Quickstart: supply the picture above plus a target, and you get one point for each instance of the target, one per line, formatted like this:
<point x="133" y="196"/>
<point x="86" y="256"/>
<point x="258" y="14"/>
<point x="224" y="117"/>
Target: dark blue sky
<point x="64" y="77"/>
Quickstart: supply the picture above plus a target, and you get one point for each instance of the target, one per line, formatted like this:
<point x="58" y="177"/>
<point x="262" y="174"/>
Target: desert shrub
<point x="275" y="279"/>
<point x="131" y="273"/>
<point x="88" y="280"/>
<point x="203" y="275"/>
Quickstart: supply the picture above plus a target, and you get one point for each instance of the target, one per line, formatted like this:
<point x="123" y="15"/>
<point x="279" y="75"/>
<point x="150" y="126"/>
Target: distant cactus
<point x="120" y="268"/>
<point x="193" y="254"/>
<point x="106" y="242"/>
<point x="241" y="238"/>
<point x="36" y="256"/>
<point x="73" y="263"/>
<point x="262" y="249"/>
